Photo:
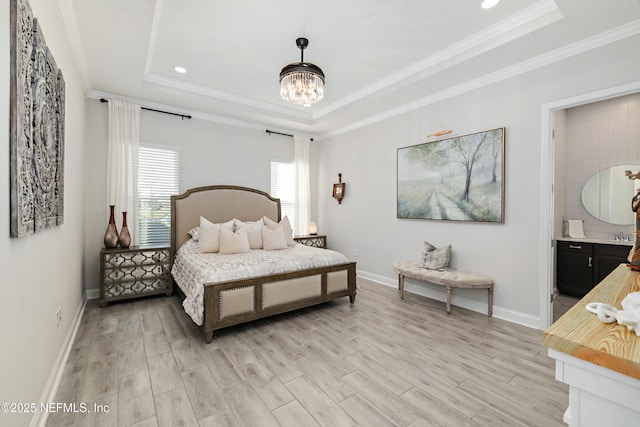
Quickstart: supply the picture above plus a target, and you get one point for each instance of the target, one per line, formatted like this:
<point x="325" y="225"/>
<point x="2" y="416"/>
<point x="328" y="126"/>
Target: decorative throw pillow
<point x="428" y="247"/>
<point x="273" y="239"/>
<point x="286" y="228"/>
<point x="209" y="235"/>
<point x="233" y="242"/>
<point x="254" y="231"/>
<point x="194" y="232"/>
<point x="435" y="258"/>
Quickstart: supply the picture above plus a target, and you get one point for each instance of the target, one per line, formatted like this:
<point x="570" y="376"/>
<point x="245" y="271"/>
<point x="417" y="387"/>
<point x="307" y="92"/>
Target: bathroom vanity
<point x="600" y="362"/>
<point x="583" y="263"/>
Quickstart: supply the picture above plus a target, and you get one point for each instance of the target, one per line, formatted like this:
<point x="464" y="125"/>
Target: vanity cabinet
<point x="580" y="265"/>
<point x="607" y="258"/>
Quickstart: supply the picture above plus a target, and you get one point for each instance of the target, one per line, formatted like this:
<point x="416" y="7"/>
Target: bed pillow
<point x="194" y="232"/>
<point x="435" y="258"/>
<point x="286" y="228"/>
<point x="254" y="231"/>
<point x="209" y="235"/>
<point x="273" y="238"/>
<point x="233" y="242"/>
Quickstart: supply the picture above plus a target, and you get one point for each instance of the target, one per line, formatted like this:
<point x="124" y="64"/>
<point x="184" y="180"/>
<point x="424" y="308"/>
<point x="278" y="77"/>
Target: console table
<point x="600" y="362"/>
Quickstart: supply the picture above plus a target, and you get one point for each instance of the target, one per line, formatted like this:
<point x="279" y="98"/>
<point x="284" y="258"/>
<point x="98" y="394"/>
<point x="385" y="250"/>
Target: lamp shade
<point x="313" y="227"/>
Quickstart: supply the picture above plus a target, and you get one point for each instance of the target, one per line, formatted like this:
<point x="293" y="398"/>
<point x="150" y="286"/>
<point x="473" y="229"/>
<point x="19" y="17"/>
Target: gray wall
<point x="365" y="226"/>
<point x="41" y="272"/>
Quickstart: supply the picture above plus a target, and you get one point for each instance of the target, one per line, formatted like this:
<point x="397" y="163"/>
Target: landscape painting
<point x="458" y="179"/>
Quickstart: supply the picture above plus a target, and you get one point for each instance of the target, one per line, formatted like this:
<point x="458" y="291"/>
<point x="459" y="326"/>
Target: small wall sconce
<point x="313" y="228"/>
<point x="338" y="189"/>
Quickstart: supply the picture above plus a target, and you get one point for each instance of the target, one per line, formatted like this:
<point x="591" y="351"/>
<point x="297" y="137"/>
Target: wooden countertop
<point x="580" y="334"/>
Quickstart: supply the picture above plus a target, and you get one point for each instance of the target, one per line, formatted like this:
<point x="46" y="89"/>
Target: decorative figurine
<point x="629" y="316"/>
<point x="634" y="255"/>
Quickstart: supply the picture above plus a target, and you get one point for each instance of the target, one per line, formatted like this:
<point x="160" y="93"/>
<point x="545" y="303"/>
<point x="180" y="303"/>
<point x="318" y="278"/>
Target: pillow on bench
<point x="435" y="258"/>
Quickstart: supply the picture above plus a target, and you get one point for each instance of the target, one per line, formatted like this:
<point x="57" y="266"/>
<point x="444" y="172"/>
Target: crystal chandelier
<point x="302" y="83"/>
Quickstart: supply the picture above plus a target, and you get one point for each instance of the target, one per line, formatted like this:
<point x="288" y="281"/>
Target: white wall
<point x="41" y="272"/>
<point x="365" y="226"/>
<point x="210" y="154"/>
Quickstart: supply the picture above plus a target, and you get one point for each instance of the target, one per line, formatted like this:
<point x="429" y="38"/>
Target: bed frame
<point x="239" y="301"/>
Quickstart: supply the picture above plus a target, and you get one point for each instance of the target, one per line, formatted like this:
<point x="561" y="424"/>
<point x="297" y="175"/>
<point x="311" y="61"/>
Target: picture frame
<point x="458" y="178"/>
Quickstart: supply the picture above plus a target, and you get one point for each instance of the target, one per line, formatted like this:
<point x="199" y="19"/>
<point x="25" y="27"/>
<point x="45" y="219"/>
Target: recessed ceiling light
<point x="488" y="4"/>
<point x="180" y="70"/>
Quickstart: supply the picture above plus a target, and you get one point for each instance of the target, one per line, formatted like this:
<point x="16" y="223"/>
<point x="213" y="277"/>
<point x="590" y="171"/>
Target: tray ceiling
<point x="379" y="56"/>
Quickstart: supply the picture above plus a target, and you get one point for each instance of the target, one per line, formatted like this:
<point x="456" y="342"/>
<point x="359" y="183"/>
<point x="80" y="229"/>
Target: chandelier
<point x="302" y="83"/>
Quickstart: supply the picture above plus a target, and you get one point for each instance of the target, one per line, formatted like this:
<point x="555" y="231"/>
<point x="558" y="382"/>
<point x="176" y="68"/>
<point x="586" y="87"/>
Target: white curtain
<point x="122" y="163"/>
<point x="302" y="149"/>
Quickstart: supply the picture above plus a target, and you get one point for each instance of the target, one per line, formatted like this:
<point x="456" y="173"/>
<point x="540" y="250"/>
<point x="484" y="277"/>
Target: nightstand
<point x="134" y="272"/>
<point x="315" y="240"/>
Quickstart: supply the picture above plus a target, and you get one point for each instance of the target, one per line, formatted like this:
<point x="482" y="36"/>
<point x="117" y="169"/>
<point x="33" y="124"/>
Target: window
<point x="283" y="186"/>
<point x="157" y="181"/>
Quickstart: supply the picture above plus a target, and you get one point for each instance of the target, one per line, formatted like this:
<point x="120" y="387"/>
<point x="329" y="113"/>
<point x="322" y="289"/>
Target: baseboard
<point x="437" y="293"/>
<point x="93" y="293"/>
<point x="49" y="393"/>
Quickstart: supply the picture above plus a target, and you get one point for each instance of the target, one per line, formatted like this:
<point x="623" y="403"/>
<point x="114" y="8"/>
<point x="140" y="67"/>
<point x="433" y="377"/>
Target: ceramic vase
<point x="111" y="235"/>
<point x="125" y="237"/>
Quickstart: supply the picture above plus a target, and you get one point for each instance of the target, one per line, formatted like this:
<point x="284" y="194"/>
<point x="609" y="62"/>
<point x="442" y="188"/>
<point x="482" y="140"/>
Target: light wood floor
<point x="382" y="361"/>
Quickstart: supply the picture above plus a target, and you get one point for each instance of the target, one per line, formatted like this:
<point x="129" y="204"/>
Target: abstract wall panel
<point x="36" y="136"/>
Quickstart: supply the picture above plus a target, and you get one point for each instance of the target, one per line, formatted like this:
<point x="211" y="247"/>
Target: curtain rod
<point x="158" y="111"/>
<point x="280" y="133"/>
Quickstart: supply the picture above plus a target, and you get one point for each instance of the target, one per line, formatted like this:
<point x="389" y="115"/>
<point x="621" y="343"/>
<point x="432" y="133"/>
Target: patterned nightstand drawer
<point x="315" y="240"/>
<point x="134" y="272"/>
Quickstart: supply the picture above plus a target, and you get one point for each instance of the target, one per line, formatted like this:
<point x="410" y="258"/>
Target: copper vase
<point x="125" y="238"/>
<point x="111" y="235"/>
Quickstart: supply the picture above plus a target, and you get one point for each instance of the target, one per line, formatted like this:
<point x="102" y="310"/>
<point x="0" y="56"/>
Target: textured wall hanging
<point x="36" y="127"/>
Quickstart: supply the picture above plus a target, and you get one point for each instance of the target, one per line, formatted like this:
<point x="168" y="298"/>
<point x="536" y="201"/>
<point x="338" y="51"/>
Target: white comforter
<point x="191" y="270"/>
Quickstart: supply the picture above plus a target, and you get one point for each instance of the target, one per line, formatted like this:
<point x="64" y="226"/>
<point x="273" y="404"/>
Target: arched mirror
<point x="607" y="195"/>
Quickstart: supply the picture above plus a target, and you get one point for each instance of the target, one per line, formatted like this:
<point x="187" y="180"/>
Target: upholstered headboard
<point x="218" y="203"/>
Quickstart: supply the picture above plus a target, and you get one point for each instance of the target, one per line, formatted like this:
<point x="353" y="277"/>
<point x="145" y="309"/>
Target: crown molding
<point x="628" y="30"/>
<point x="226" y="96"/>
<point x="97" y="94"/>
<point x="526" y="21"/>
<point x="625" y="31"/>
<point x="530" y="19"/>
<point x="253" y="125"/>
<point x="155" y="23"/>
<point x="70" y="22"/>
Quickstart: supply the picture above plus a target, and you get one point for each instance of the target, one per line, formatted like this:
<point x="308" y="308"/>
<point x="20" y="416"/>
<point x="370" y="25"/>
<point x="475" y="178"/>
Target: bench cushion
<point x="444" y="277"/>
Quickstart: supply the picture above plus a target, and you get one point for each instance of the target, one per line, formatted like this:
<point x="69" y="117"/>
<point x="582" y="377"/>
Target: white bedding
<point x="191" y="269"/>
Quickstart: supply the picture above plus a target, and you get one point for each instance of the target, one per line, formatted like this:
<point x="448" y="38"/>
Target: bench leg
<point x="401" y="285"/>
<point x="448" y="299"/>
<point x="490" y="310"/>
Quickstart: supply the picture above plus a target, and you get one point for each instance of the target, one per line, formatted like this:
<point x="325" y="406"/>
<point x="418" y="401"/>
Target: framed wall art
<point x="36" y="129"/>
<point x="459" y="178"/>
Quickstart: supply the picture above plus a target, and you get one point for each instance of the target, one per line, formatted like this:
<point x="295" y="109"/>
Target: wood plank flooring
<point x="381" y="362"/>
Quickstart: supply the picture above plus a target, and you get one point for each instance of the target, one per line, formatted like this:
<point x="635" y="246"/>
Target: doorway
<point x="550" y="220"/>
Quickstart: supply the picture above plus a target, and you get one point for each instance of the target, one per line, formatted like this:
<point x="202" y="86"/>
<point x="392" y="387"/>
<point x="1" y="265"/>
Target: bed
<point x="223" y="299"/>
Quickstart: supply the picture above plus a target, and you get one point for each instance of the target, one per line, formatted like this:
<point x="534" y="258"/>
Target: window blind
<point x="157" y="181"/>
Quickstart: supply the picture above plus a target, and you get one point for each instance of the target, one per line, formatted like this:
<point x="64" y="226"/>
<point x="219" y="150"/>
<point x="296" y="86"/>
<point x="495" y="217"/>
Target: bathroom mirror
<point x="607" y="195"/>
